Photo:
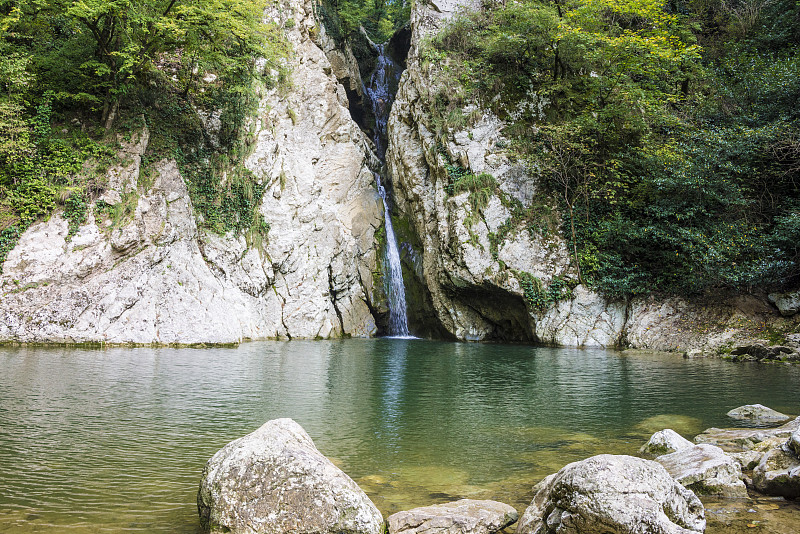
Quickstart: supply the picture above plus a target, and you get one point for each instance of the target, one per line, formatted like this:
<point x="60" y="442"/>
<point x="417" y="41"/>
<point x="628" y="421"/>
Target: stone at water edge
<point x="794" y="442"/>
<point x="609" y="493"/>
<point x="664" y="442"/>
<point x="758" y="413"/>
<point x="778" y="472"/>
<point x="275" y="481"/>
<point x="706" y="470"/>
<point x="744" y="439"/>
<point x="466" y="516"/>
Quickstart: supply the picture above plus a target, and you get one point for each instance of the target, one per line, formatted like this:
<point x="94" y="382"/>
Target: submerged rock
<point x="706" y="470"/>
<point x="466" y="516"/>
<point x="664" y="442"/>
<point x="608" y="493"/>
<point x="275" y="481"/>
<point x="758" y="414"/>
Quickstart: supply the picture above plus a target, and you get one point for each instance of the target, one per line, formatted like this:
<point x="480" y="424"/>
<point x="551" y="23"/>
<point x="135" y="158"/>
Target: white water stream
<point x="380" y="95"/>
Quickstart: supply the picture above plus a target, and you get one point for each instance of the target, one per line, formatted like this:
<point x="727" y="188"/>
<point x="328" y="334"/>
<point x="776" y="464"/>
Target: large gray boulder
<point x="275" y="481"/>
<point x="664" y="442"/>
<point x="758" y="414"/>
<point x="706" y="470"/>
<point x="614" y="495"/>
<point x="466" y="516"/>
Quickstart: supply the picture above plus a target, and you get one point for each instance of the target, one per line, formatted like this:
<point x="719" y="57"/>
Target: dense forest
<point x="668" y="130"/>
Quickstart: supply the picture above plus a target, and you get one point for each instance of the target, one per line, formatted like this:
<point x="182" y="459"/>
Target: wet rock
<point x="466" y="516"/>
<point x="758" y="414"/>
<point x="706" y="470"/>
<point x="778" y="473"/>
<point x="761" y="352"/>
<point x="275" y="481"/>
<point x="608" y="493"/>
<point x="664" y="442"/>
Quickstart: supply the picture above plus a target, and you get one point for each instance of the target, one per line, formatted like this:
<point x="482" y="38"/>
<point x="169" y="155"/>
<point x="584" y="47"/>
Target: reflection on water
<point x="115" y="440"/>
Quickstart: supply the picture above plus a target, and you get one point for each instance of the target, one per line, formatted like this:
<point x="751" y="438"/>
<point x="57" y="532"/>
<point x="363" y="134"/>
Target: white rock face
<point x="275" y="481"/>
<point x="473" y="264"/>
<point x="159" y="279"/>
<point x="788" y="304"/>
<point x="758" y="414"/>
<point x="607" y="493"/>
<point x="466" y="516"/>
<point x="664" y="442"/>
<point x="706" y="470"/>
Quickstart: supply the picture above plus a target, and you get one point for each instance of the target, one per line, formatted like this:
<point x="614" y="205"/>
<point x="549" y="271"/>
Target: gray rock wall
<point x="477" y="286"/>
<point x="161" y="279"/>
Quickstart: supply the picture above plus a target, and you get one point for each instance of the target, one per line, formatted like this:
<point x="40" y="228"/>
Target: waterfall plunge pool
<point x="115" y="440"/>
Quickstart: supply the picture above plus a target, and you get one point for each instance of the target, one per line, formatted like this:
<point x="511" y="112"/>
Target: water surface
<point x="115" y="440"/>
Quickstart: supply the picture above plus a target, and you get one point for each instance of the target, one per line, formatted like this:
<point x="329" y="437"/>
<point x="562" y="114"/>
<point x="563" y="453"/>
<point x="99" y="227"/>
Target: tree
<point x="130" y="38"/>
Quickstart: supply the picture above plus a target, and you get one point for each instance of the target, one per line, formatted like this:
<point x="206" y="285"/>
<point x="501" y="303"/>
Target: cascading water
<point x="386" y="75"/>
<point x="398" y="321"/>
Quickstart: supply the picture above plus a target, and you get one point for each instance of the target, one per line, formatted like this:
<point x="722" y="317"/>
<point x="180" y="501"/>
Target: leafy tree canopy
<point x="669" y="130"/>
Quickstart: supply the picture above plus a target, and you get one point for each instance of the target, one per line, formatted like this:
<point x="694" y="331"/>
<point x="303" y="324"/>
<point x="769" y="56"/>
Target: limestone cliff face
<point x="475" y="265"/>
<point x="160" y="278"/>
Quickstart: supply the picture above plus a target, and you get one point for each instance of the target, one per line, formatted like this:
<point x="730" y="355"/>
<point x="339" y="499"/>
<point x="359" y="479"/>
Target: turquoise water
<point x="114" y="440"/>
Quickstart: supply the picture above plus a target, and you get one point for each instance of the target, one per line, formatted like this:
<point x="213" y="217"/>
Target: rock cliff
<point x="500" y="269"/>
<point x="491" y="266"/>
<point x="160" y="278"/>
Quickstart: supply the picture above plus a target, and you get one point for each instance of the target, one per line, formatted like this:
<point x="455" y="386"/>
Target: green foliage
<point x="540" y="298"/>
<point x="343" y="19"/>
<point x="75" y="212"/>
<point x="676" y="167"/>
<point x="70" y="70"/>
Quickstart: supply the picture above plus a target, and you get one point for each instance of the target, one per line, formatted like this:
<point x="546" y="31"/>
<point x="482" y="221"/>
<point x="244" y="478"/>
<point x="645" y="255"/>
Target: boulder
<point x="275" y="481"/>
<point x="787" y="303"/>
<point x="745" y="439"/>
<point x="778" y="473"/>
<point x="664" y="442"/>
<point x="616" y="494"/>
<point x="706" y="470"/>
<point x="758" y="414"/>
<point x="466" y="516"/>
<point x="794" y="442"/>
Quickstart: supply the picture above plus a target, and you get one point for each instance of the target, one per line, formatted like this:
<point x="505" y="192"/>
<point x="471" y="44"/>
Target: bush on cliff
<point x="73" y="71"/>
<point x="668" y="130"/>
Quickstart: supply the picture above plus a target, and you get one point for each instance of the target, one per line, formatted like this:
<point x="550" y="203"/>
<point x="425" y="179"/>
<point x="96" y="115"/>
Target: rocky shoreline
<point x="275" y="481"/>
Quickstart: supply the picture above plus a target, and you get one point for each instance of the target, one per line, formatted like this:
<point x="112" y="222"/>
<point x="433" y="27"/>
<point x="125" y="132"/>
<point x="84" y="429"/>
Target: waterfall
<point x="386" y="73"/>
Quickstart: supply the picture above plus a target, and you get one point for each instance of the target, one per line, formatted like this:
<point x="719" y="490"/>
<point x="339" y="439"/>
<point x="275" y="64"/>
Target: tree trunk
<point x="574" y="240"/>
<point x="108" y="120"/>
